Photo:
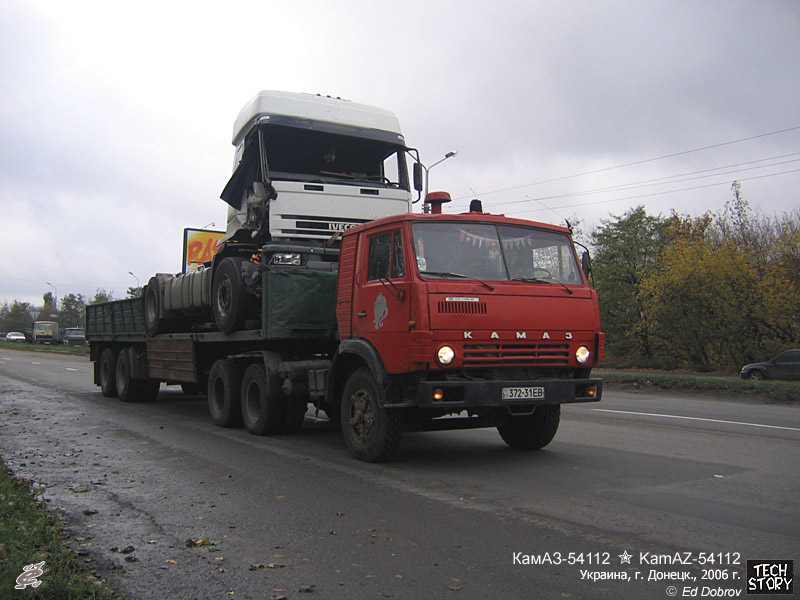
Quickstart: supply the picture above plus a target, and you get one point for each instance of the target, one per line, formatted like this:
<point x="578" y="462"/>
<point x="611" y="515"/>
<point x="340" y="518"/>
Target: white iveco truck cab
<point x="307" y="167"/>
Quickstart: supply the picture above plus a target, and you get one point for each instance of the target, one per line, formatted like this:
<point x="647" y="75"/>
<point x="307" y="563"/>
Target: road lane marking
<point x="70" y="369"/>
<point x="628" y="412"/>
<point x="33" y="362"/>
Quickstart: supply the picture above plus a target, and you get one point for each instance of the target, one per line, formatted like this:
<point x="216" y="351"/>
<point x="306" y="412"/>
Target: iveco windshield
<point x="494" y="253"/>
<point x="310" y="155"/>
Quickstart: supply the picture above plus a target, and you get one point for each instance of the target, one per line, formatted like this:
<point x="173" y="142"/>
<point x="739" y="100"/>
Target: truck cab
<point x="46" y="332"/>
<point x="487" y="320"/>
<point x="308" y="166"/>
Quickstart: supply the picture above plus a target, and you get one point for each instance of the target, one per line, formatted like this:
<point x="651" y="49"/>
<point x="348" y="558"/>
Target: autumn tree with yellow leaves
<point x="722" y="290"/>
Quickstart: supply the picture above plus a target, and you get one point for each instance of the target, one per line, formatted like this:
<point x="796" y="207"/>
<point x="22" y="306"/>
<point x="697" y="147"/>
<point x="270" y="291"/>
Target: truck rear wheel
<point x="263" y="408"/>
<point x="228" y="295"/>
<point x="130" y="389"/>
<point x="371" y="432"/>
<point x="108" y="373"/>
<point x="531" y="432"/>
<point x="224" y="393"/>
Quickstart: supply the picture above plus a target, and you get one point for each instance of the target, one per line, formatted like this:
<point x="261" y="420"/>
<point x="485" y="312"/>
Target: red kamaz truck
<point x="327" y="290"/>
<point x="429" y="322"/>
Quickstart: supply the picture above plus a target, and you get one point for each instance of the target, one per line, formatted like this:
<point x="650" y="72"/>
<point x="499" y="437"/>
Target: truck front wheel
<point x="224" y="391"/>
<point x="371" y="432"/>
<point x="531" y="432"/>
<point x="108" y="373"/>
<point x="263" y="409"/>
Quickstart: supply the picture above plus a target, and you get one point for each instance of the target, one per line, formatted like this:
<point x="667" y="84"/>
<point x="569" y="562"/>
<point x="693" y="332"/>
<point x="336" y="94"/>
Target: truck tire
<point x="152" y="307"/>
<point x="108" y="373"/>
<point x="224" y="393"/>
<point x="531" y="432"/>
<point x="228" y="295"/>
<point x="130" y="389"/>
<point x="263" y="407"/>
<point x="371" y="432"/>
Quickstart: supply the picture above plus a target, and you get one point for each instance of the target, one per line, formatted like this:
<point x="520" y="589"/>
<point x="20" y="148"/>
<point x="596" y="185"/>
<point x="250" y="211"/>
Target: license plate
<point x="522" y="393"/>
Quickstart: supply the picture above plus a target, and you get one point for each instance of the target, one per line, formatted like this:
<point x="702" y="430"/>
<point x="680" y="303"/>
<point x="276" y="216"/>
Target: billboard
<point x="199" y="246"/>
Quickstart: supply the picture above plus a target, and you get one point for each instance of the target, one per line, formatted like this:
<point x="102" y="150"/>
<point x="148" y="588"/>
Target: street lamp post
<point x="426" y="208"/>
<point x="135" y="277"/>
<point x="55" y="298"/>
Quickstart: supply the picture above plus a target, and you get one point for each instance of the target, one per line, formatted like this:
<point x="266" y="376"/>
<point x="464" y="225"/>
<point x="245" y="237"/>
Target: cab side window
<point x="386" y="257"/>
<point x="379" y="255"/>
<point x="398" y="265"/>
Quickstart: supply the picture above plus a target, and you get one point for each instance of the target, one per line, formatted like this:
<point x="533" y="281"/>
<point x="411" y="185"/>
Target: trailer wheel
<point x="130" y="389"/>
<point x="531" y="432"/>
<point x="224" y="391"/>
<point x="228" y="295"/>
<point x="108" y="373"/>
<point x="371" y="432"/>
<point x="263" y="408"/>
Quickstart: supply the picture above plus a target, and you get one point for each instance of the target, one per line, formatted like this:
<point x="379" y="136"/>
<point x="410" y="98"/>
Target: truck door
<point x="381" y="301"/>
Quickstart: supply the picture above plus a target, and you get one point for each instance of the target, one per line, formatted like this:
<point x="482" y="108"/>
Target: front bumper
<point x="489" y="393"/>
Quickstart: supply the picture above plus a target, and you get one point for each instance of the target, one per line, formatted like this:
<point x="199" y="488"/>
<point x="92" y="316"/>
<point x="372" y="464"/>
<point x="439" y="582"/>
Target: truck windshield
<point x="494" y="253"/>
<point x="308" y="155"/>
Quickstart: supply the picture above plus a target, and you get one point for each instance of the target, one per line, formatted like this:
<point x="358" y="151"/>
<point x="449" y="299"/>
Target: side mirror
<point x="586" y="264"/>
<point x="418" y="183"/>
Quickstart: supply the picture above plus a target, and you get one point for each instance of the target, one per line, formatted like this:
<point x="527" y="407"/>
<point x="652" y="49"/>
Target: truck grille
<point x="523" y="354"/>
<point x="462" y="308"/>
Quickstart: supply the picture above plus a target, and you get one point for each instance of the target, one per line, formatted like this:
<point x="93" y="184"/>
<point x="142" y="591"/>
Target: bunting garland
<point x="480" y="241"/>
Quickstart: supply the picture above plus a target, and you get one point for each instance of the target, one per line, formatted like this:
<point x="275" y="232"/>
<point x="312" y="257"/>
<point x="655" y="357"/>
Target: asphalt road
<point x="456" y="515"/>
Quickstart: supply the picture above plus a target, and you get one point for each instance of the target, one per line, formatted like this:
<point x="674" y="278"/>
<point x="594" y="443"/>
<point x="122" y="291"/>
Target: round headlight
<point x="446" y="355"/>
<point x="582" y="354"/>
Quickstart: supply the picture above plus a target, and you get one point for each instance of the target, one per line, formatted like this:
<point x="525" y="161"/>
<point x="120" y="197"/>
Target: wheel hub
<point x="224" y="296"/>
<point x="362" y="415"/>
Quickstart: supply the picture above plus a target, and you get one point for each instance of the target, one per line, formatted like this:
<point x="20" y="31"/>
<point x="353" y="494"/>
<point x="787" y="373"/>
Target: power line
<point x="697" y="187"/>
<point x="638" y="162"/>
<point x="659" y="181"/>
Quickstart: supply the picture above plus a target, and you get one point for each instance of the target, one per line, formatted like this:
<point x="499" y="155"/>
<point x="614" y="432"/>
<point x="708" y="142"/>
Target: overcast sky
<point x="116" y="118"/>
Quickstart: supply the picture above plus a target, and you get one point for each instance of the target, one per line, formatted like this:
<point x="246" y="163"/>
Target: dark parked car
<point x="74" y="336"/>
<point x="784" y="366"/>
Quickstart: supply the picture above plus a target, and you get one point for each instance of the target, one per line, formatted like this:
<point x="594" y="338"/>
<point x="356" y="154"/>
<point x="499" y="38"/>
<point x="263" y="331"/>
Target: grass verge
<point x="30" y="534"/>
<point x="784" y="392"/>
<point x="58" y="349"/>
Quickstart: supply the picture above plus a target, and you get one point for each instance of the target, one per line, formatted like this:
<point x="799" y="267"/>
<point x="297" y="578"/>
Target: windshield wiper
<point x="342" y="175"/>
<point x="531" y="279"/>
<point x="538" y="280"/>
<point x="461" y="275"/>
